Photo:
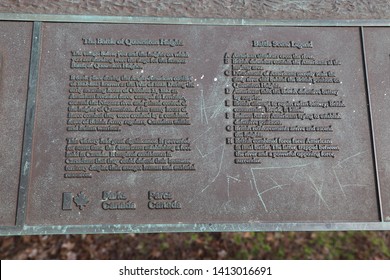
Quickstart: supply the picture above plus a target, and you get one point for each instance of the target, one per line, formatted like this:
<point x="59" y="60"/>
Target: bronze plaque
<point x="162" y="124"/>
<point x="377" y="42"/>
<point x="15" y="47"/>
<point x="134" y="127"/>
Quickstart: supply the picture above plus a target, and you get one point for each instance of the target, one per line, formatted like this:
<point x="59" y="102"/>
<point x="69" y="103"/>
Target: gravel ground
<point x="260" y="9"/>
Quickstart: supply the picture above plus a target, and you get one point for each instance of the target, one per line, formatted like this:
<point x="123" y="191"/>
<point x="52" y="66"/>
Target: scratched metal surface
<point x="264" y="9"/>
<point x="13" y="94"/>
<point x="219" y="191"/>
<point x="377" y="42"/>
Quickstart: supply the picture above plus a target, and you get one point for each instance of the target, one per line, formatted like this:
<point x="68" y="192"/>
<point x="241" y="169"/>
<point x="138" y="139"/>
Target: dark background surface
<point x="289" y="245"/>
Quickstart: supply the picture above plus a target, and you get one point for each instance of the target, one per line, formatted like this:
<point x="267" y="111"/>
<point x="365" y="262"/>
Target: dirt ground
<point x="247" y="245"/>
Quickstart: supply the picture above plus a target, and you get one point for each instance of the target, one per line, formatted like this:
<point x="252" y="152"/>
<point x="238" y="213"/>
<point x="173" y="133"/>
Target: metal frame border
<point x="25" y="165"/>
<point x="200" y="227"/>
<point x="21" y="229"/>
<point x="190" y="21"/>
<point x="371" y="124"/>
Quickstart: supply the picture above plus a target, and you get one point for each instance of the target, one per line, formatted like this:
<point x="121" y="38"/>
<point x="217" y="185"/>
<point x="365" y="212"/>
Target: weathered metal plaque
<point x="15" y="47"/>
<point x="377" y="42"/>
<point x="158" y="127"/>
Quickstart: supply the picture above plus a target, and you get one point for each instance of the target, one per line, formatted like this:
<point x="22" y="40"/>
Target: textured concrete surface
<point x="256" y="9"/>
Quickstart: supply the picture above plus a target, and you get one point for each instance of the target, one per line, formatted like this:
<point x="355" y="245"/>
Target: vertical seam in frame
<point x="371" y="123"/>
<point x="25" y="167"/>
